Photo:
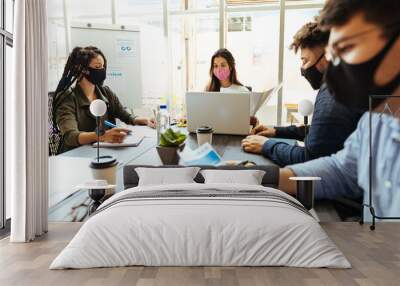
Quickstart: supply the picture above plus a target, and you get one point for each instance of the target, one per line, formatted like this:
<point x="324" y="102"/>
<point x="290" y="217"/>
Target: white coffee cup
<point x="105" y="169"/>
<point x="204" y="135"/>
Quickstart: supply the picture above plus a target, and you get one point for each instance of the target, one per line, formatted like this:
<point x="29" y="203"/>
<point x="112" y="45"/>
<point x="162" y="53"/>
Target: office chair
<point x="55" y="137"/>
<point x="349" y="209"/>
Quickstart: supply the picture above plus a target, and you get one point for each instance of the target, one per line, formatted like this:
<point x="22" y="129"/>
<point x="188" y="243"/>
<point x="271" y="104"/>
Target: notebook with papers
<point x="130" y="141"/>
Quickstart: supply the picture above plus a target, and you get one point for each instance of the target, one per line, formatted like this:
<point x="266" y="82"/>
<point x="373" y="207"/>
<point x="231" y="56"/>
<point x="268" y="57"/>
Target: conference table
<point x="69" y="169"/>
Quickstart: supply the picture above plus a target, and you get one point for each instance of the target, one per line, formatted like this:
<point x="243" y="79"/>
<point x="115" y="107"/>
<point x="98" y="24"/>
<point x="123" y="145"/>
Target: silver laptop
<point x="226" y="113"/>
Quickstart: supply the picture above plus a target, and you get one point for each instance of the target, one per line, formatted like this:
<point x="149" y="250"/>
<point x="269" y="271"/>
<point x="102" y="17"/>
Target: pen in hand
<point x="112" y="125"/>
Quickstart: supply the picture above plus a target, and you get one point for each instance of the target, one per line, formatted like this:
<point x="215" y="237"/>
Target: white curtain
<point x="27" y="120"/>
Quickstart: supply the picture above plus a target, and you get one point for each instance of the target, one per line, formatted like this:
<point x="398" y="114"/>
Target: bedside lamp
<point x="98" y="108"/>
<point x="305" y="185"/>
<point x="98" y="190"/>
<point x="104" y="168"/>
<point x="306" y="108"/>
<point x="305" y="190"/>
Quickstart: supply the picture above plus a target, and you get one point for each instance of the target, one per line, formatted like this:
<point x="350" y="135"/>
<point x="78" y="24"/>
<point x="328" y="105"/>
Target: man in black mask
<point x="332" y="122"/>
<point x="364" y="52"/>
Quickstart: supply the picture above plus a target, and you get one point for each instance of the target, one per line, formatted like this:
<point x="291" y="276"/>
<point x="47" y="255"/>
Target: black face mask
<point x="352" y="84"/>
<point x="96" y="76"/>
<point x="313" y="75"/>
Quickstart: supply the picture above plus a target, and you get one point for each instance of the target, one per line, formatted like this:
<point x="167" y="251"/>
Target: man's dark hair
<point x="385" y="13"/>
<point x="309" y="36"/>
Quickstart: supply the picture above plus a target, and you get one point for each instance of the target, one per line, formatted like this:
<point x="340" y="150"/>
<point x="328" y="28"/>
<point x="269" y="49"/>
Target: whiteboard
<point x="121" y="47"/>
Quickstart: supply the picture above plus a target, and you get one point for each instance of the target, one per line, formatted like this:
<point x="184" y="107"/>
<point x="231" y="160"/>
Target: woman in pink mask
<point x="224" y="78"/>
<point x="223" y="73"/>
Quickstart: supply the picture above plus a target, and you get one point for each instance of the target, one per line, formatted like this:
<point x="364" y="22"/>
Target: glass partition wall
<point x="178" y="38"/>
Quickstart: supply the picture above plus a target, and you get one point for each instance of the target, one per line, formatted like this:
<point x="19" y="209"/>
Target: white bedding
<point x="191" y="231"/>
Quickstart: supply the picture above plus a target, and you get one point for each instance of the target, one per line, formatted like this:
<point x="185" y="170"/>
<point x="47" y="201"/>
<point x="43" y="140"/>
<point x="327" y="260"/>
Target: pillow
<point x="166" y="176"/>
<point x="248" y="177"/>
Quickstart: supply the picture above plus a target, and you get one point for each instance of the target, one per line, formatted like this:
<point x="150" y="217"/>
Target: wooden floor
<point x="375" y="257"/>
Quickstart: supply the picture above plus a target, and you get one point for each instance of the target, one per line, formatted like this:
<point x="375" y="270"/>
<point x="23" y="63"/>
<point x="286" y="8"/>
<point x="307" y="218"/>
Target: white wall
<point x="147" y="15"/>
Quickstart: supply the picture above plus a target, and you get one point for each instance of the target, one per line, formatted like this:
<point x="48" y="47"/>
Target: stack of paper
<point x="130" y="141"/>
<point x="257" y="99"/>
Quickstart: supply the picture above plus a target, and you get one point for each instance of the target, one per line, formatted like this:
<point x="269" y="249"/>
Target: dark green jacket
<point x="73" y="116"/>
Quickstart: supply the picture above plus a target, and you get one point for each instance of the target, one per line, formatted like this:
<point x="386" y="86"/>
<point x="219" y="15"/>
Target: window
<point x="2" y="192"/>
<point x="203" y="44"/>
<point x="296" y="87"/>
<point x="90" y="11"/>
<point x="6" y="42"/>
<point x="256" y="51"/>
<point x="9" y="11"/>
<point x="194" y="38"/>
<point x="204" y="4"/>
<point x="62" y="14"/>
<point x="148" y="16"/>
<point x="177" y="44"/>
<point x="253" y="36"/>
<point x="145" y="15"/>
<point x="8" y="89"/>
<point x="175" y="5"/>
<point x="57" y="41"/>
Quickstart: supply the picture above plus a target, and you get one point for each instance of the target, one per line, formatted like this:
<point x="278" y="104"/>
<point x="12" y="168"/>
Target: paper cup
<point x="105" y="169"/>
<point x="204" y="135"/>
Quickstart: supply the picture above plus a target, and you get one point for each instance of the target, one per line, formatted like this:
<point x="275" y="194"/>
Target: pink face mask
<point x="222" y="73"/>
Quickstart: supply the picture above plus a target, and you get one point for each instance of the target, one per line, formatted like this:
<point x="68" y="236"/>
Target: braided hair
<point x="77" y="63"/>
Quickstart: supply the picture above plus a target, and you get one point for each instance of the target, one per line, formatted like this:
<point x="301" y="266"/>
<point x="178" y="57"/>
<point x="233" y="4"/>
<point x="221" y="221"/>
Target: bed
<point x="198" y="224"/>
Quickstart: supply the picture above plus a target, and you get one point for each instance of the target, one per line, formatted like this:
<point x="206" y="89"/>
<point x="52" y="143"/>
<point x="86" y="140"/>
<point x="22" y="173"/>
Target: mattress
<point x="201" y="225"/>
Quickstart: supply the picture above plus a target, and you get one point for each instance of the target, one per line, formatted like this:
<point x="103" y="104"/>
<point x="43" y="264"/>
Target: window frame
<point x="6" y="39"/>
<point x="223" y="9"/>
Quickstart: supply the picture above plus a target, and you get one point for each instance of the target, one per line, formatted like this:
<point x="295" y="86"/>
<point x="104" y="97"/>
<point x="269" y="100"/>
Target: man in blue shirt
<point x="332" y="122"/>
<point x="364" y="48"/>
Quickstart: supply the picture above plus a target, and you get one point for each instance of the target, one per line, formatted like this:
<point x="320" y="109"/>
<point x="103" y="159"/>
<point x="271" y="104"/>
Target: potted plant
<point x="170" y="142"/>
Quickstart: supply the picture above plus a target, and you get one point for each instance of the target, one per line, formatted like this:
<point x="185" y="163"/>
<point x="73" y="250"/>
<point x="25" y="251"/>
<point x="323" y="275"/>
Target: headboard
<point x="270" y="179"/>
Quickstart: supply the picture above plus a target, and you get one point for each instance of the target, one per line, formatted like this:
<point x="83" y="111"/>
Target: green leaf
<point x="170" y="138"/>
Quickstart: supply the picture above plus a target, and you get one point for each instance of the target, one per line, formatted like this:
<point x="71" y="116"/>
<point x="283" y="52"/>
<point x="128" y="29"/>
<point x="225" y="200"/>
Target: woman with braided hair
<point x="86" y="68"/>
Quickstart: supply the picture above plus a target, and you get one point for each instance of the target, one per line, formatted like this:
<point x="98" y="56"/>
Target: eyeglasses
<point x="335" y="53"/>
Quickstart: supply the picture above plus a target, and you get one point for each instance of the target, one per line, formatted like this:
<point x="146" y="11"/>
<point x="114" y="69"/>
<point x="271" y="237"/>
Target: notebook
<point x="132" y="140"/>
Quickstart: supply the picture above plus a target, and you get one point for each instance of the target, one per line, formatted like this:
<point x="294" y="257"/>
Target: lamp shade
<point x="306" y="107"/>
<point x="98" y="107"/>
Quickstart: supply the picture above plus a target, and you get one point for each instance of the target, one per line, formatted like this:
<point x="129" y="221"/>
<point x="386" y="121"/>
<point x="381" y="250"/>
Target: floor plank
<point x="374" y="255"/>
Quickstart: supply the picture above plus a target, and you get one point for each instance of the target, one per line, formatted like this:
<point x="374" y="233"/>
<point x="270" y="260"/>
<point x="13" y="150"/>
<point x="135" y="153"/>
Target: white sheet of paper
<point x="132" y="140"/>
<point x="257" y="99"/>
<point x="138" y="130"/>
<point x="144" y="131"/>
